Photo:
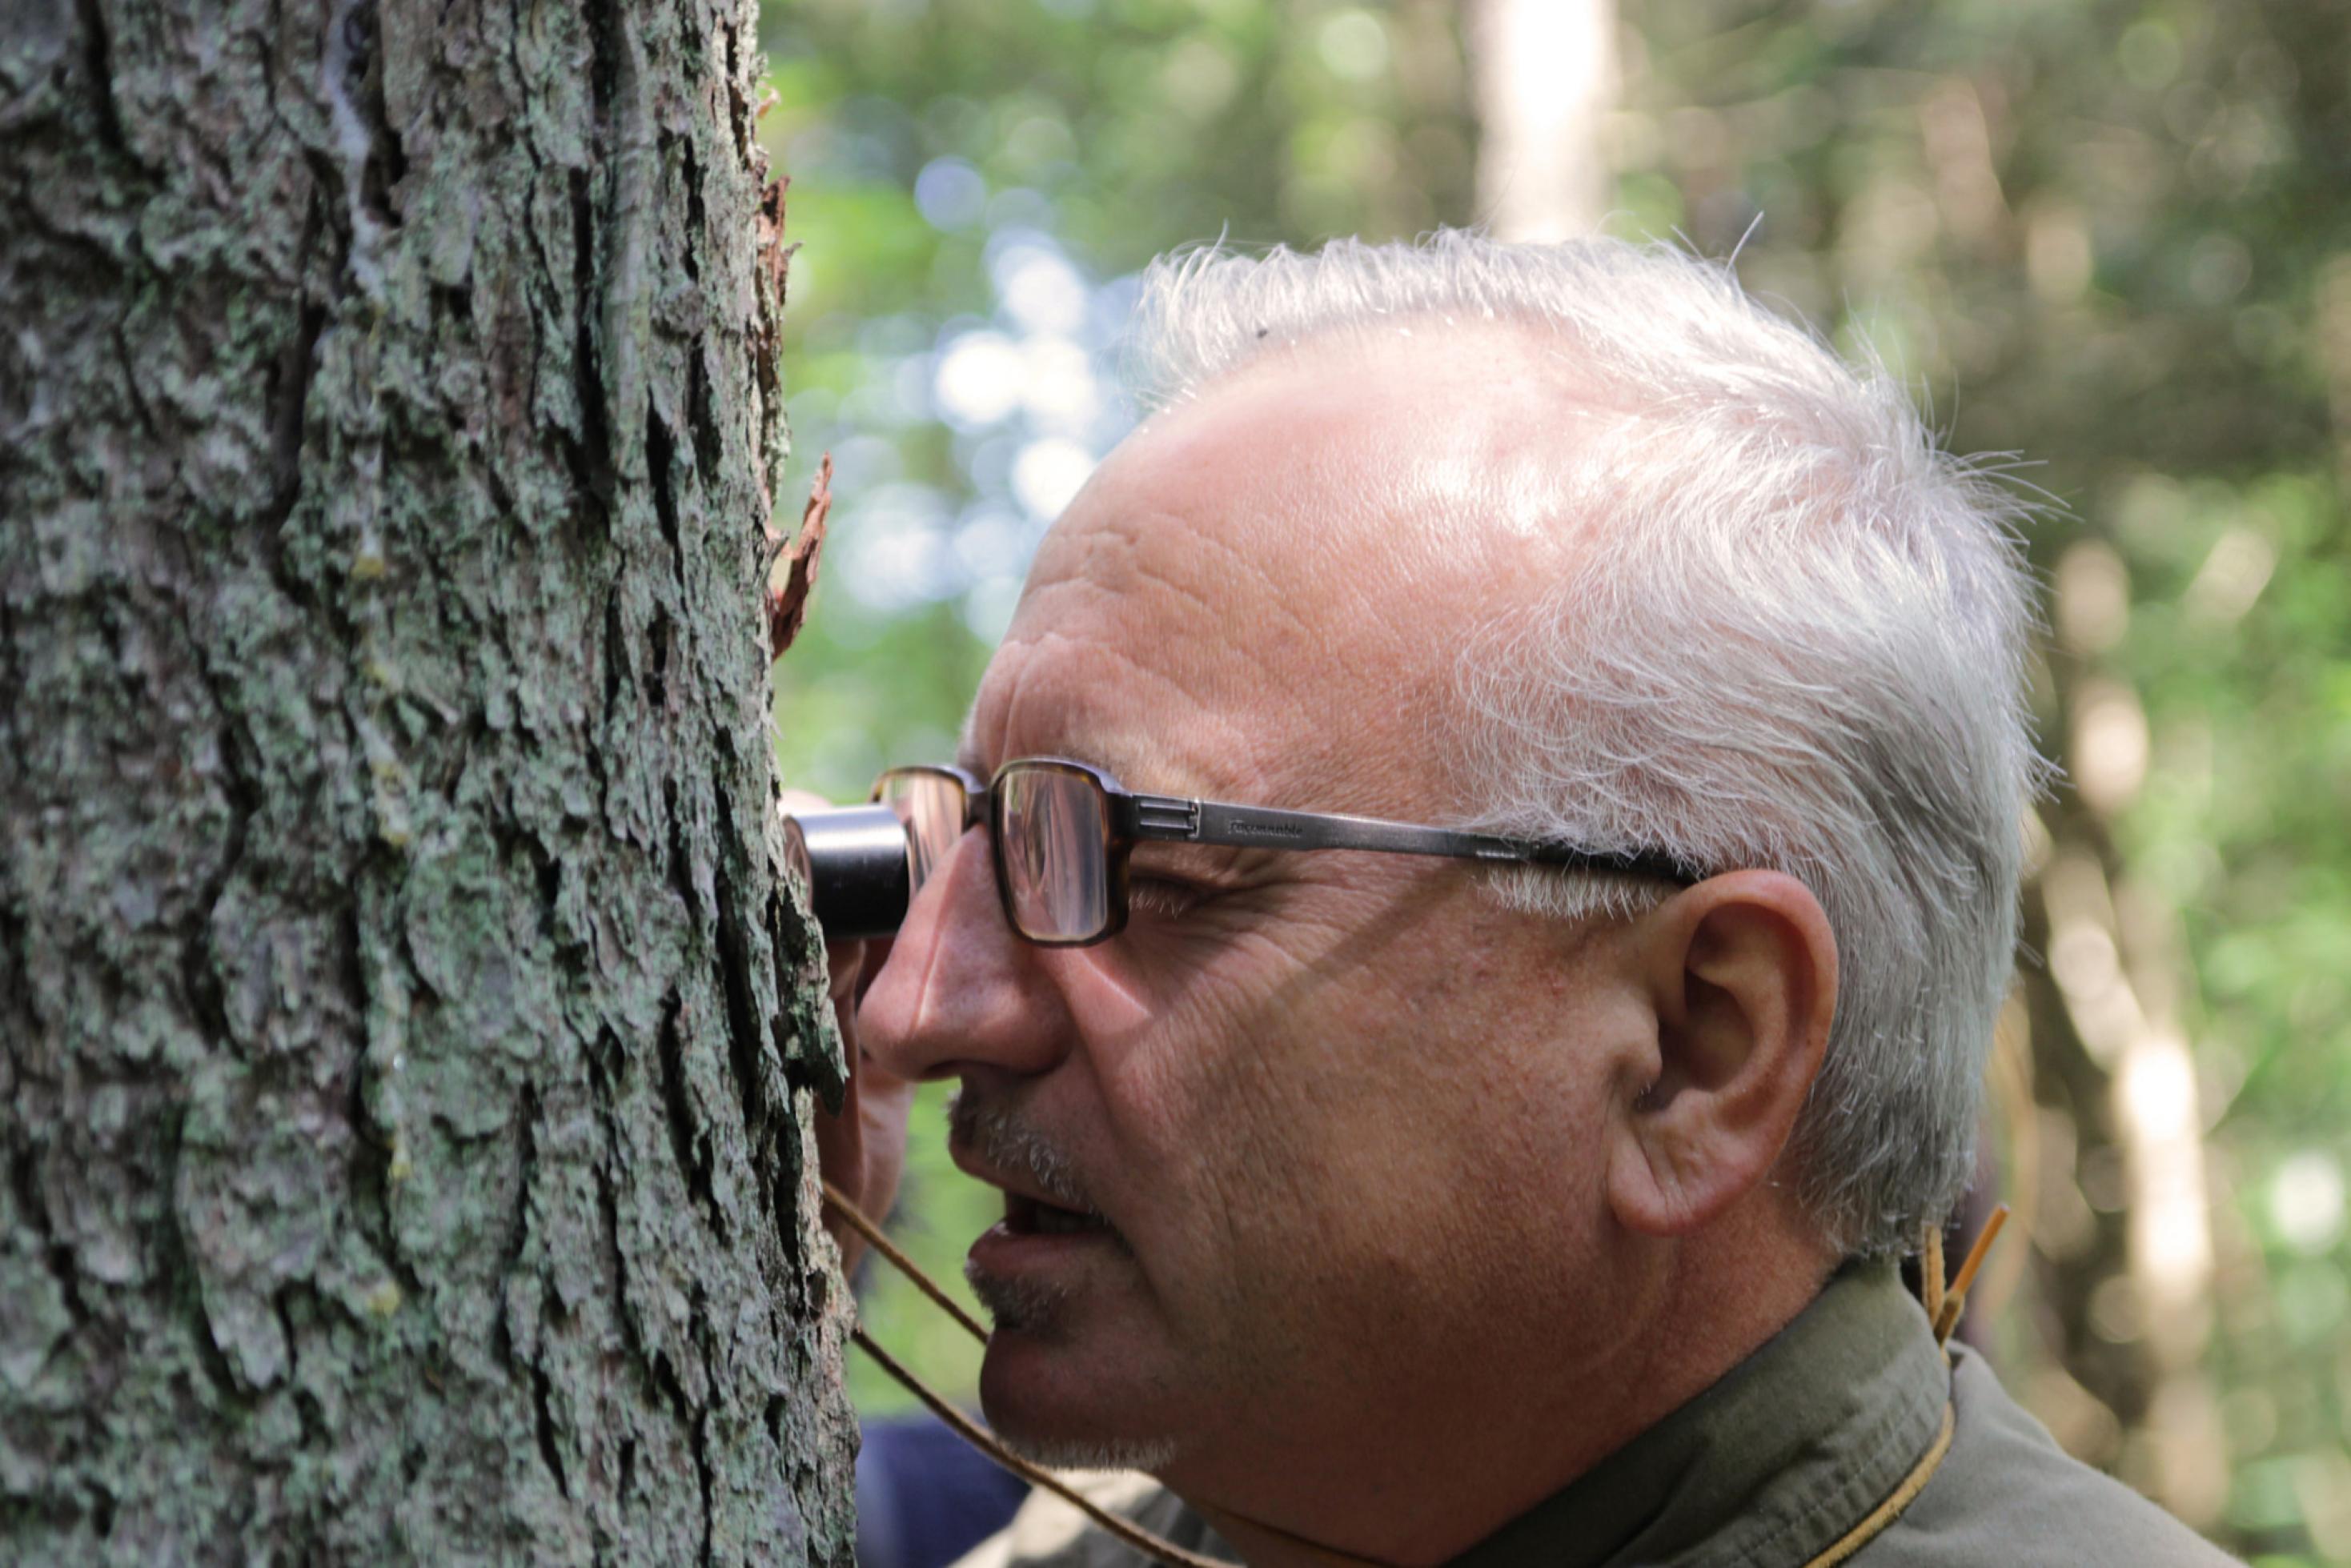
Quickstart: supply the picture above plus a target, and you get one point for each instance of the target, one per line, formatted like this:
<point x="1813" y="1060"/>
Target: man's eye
<point x="1154" y="895"/>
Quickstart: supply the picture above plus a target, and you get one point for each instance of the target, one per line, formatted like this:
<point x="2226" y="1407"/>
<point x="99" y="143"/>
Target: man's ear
<point x="1741" y="974"/>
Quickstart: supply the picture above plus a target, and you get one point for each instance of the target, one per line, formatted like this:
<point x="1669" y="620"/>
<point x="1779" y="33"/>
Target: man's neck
<point x="1422" y="1482"/>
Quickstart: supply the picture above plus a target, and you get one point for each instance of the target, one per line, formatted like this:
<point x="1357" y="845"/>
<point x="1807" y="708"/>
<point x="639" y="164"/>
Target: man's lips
<point x="1026" y="1216"/>
<point x="1027" y="1209"/>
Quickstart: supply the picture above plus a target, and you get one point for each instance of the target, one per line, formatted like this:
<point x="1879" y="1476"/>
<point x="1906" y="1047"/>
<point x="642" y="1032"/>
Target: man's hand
<point x="863" y="1150"/>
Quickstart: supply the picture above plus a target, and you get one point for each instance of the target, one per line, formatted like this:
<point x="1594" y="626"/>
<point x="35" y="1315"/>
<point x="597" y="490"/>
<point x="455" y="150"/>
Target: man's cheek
<point x="1107" y="999"/>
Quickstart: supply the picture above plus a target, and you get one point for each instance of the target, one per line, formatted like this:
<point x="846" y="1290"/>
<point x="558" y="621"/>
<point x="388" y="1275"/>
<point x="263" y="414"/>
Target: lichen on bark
<point x="406" y="1038"/>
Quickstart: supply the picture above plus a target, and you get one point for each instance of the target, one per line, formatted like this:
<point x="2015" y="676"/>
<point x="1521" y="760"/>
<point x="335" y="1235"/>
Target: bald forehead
<point x="1395" y="434"/>
<point x="1270" y="579"/>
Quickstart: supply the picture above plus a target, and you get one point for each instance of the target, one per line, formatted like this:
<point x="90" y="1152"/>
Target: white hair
<point x="1792" y="637"/>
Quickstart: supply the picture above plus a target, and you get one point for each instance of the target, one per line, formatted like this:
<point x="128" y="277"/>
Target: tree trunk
<point x="1544" y="79"/>
<point x="406" y="1039"/>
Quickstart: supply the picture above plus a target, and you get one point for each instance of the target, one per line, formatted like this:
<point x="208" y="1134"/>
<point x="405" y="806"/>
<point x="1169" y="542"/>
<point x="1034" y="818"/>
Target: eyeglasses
<point x="1062" y="831"/>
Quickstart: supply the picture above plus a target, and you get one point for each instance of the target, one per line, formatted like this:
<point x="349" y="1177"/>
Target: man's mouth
<point x="1026" y="1216"/>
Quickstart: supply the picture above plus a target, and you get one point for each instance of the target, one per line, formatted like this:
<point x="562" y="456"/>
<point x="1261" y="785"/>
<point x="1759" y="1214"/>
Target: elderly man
<point x="1518" y="1176"/>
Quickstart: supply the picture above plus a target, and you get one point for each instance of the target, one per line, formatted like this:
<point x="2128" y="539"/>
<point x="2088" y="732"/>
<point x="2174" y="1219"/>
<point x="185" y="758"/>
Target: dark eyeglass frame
<point x="1130" y="818"/>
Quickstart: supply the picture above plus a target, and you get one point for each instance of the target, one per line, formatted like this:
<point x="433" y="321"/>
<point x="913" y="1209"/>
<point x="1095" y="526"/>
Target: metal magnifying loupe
<point x="857" y="862"/>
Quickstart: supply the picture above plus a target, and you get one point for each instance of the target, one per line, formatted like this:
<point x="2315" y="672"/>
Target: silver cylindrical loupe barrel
<point x="854" y="860"/>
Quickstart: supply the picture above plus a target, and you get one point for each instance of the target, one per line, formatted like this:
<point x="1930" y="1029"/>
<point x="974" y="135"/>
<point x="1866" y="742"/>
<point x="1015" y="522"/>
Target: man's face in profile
<point x="1340" y="1114"/>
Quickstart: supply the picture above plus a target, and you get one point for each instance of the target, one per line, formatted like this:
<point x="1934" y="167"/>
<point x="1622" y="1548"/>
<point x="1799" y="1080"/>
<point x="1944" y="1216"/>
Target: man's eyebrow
<point x="1127" y="766"/>
<point x="1127" y="754"/>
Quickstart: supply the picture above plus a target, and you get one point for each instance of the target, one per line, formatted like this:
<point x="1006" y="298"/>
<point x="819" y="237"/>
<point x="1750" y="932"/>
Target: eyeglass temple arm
<point x="1170" y="818"/>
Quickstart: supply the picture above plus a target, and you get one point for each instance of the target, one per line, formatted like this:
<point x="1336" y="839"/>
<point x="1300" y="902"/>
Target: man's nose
<point x="959" y="987"/>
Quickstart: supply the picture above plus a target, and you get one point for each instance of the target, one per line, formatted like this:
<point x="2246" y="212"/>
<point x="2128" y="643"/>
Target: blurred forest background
<point x="2112" y="238"/>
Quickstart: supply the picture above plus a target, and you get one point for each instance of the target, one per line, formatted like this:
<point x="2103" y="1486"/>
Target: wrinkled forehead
<point x="1264" y="589"/>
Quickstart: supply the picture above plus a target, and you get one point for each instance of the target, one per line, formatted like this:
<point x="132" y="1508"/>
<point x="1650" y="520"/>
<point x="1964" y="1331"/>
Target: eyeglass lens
<point x="1052" y="830"/>
<point x="933" y="805"/>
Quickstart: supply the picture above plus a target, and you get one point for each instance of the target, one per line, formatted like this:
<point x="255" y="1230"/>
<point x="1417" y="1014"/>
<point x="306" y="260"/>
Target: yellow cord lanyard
<point x="1943" y="1307"/>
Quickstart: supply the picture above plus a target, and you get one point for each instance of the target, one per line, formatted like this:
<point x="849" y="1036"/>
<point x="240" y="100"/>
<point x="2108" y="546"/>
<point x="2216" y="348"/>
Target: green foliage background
<point x="2111" y="238"/>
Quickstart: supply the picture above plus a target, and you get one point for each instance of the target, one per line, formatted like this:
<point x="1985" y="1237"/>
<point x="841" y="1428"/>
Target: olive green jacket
<point x="1768" y="1469"/>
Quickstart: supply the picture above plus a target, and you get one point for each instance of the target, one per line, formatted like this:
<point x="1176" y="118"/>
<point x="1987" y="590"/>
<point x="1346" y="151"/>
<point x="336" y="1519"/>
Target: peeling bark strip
<point x="405" y="1037"/>
<point x="788" y="605"/>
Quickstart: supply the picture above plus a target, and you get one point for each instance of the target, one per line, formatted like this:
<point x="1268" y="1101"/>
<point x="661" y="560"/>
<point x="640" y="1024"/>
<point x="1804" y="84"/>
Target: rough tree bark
<point x="405" y="1038"/>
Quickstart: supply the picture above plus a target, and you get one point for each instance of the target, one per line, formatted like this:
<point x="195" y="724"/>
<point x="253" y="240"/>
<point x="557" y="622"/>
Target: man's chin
<point x="1149" y="1455"/>
<point x="1040" y="1405"/>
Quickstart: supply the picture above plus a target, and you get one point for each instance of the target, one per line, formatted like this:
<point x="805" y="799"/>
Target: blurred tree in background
<point x="2112" y="239"/>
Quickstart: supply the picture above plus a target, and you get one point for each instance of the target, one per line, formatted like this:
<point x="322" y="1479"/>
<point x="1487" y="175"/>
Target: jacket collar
<point x="1771" y="1465"/>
